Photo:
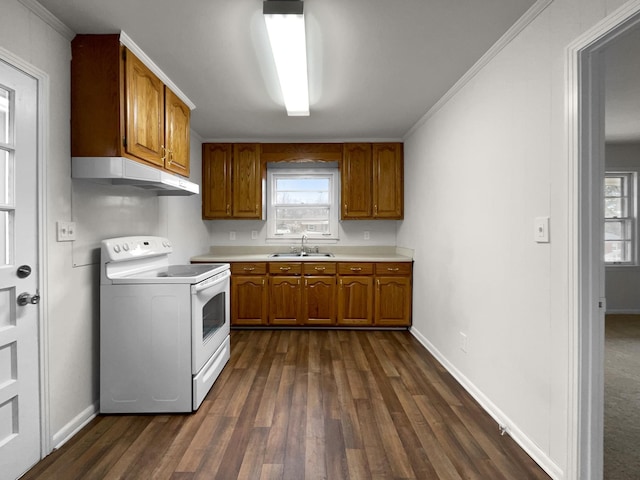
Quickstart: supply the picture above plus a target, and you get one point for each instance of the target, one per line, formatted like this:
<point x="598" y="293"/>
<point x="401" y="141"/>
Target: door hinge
<point x="602" y="303"/>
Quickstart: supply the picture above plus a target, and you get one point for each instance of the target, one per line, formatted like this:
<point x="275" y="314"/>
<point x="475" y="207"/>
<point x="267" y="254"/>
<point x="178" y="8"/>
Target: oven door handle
<point x="224" y="276"/>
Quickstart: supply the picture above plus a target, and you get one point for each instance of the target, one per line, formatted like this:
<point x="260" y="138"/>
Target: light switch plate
<point x="65" y="231"/>
<point x="541" y="230"/>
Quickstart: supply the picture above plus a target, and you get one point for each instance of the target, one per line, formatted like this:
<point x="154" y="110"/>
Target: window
<point x="619" y="218"/>
<point x="302" y="201"/>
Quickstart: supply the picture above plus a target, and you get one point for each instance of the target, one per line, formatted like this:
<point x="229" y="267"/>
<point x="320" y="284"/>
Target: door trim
<point x="584" y="100"/>
<point x="43" y="81"/>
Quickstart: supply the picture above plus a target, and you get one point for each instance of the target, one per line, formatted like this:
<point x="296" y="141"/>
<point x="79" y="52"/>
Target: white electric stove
<point x="164" y="329"/>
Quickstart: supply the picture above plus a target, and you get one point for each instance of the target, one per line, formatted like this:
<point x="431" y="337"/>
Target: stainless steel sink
<point x="298" y="255"/>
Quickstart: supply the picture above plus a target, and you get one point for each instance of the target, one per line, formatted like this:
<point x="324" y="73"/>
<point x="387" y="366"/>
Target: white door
<point x="19" y="383"/>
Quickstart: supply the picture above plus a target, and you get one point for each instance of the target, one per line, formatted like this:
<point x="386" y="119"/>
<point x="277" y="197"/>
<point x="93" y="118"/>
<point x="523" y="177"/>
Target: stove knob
<point x="125" y="247"/>
<point x="116" y="248"/>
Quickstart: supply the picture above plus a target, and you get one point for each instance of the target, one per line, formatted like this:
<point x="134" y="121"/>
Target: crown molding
<point x="49" y="18"/>
<point x="528" y="17"/>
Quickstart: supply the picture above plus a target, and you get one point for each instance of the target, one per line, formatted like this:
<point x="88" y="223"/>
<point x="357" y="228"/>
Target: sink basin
<point x="298" y="255"/>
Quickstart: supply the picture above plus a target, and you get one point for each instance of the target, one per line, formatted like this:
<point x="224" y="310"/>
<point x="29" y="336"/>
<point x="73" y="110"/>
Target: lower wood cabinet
<point x="393" y="295"/>
<point x="285" y="293"/>
<point x="319" y="294"/>
<point x="355" y="294"/>
<point x="323" y="294"/>
<point x="249" y="294"/>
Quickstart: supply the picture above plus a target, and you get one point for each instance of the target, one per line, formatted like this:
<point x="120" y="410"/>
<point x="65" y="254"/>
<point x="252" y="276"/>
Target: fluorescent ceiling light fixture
<point x="285" y="27"/>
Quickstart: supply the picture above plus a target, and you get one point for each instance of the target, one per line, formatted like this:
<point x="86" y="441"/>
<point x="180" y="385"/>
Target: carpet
<point x="622" y="397"/>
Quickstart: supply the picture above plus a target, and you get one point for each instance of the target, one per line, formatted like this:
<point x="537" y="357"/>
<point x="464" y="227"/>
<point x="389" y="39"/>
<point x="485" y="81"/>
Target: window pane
<point x="299" y="197"/>
<point x="617" y="251"/>
<point x="6" y="226"/>
<point x="613" y="231"/>
<point x="614" y="208"/>
<point x="6" y="197"/>
<point x="5" y="96"/>
<point x="321" y="184"/>
<point x="613" y="186"/>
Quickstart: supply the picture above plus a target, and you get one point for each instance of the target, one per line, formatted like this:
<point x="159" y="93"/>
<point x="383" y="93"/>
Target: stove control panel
<point x="128" y="248"/>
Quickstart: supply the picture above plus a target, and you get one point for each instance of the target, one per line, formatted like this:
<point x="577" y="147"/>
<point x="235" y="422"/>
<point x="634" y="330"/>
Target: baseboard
<point x="74" y="426"/>
<point x="504" y="423"/>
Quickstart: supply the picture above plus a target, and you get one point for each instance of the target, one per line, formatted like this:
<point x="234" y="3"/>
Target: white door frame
<point x="41" y="164"/>
<point x="585" y="142"/>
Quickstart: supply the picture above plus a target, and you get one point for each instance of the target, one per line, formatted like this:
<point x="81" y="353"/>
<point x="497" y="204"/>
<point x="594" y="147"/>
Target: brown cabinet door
<point x="356" y="181"/>
<point x="216" y="180"/>
<point x="355" y="301"/>
<point x="177" y="124"/>
<point x="144" y="112"/>
<point x="285" y="300"/>
<point x="319" y="300"/>
<point x="388" y="180"/>
<point x="247" y="181"/>
<point x="248" y="300"/>
<point x="393" y="301"/>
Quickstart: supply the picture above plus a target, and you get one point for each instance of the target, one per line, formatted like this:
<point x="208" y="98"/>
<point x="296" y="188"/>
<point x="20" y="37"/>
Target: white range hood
<point x="123" y="171"/>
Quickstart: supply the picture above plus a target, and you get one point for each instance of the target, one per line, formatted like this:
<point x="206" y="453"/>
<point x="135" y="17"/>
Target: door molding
<point x="584" y="101"/>
<point x="43" y="81"/>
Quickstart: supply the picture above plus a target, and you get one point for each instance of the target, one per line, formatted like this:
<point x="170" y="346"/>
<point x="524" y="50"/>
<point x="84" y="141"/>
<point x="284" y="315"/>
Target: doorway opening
<point x="586" y="151"/>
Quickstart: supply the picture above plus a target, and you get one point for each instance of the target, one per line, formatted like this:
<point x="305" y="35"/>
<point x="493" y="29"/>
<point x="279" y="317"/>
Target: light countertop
<point x="341" y="254"/>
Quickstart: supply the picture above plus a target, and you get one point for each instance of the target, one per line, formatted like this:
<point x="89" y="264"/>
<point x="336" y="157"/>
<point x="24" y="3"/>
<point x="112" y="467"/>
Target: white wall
<point x="483" y="166"/>
<point x="72" y="284"/>
<point x="381" y="232"/>
<point x="623" y="283"/>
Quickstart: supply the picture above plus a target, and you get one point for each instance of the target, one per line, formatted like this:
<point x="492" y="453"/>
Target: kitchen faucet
<point x="302" y="250"/>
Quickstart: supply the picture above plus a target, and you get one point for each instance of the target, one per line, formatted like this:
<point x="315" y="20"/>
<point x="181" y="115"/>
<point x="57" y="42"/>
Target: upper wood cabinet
<point x="231" y="181"/>
<point x="177" y="127"/>
<point x="216" y="180"/>
<point x="120" y="108"/>
<point x="372" y="181"/>
<point x="388" y="180"/>
<point x="356" y="181"/>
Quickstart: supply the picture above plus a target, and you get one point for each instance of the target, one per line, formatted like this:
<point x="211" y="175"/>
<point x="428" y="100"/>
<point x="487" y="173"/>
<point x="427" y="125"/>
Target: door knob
<point x="25" y="299"/>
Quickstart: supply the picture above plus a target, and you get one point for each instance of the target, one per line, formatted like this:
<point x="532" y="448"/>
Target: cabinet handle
<point x="228" y="209"/>
<point x="164" y="153"/>
<point x="320" y="269"/>
<point x="375" y="209"/>
<point x="393" y="269"/>
<point x="249" y="269"/>
<point x="285" y="269"/>
<point x="355" y="269"/>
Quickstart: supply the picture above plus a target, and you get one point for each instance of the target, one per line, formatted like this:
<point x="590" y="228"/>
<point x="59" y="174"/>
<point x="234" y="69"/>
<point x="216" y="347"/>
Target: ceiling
<point x="375" y="66"/>
<point x="622" y="89"/>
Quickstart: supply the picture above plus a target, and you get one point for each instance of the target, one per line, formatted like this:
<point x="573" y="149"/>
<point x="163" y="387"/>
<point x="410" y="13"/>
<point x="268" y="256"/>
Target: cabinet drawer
<point x="355" y="268"/>
<point x="320" y="268"/>
<point x="398" y="268"/>
<point x="248" y="268"/>
<point x="285" y="268"/>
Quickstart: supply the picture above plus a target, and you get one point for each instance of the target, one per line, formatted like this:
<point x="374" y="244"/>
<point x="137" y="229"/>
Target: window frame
<point x="628" y="221"/>
<point x="328" y="170"/>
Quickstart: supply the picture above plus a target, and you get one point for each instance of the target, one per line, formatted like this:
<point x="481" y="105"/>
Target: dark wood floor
<point x="307" y="404"/>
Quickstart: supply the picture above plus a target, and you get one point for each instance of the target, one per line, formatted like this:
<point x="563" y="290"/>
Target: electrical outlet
<point x="463" y="342"/>
<point x="254" y="234"/>
<point x="66" y="231"/>
<point x="232" y="235"/>
<point x="367" y="235"/>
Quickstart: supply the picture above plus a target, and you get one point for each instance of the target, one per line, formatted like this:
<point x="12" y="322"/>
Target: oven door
<point x="210" y="317"/>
